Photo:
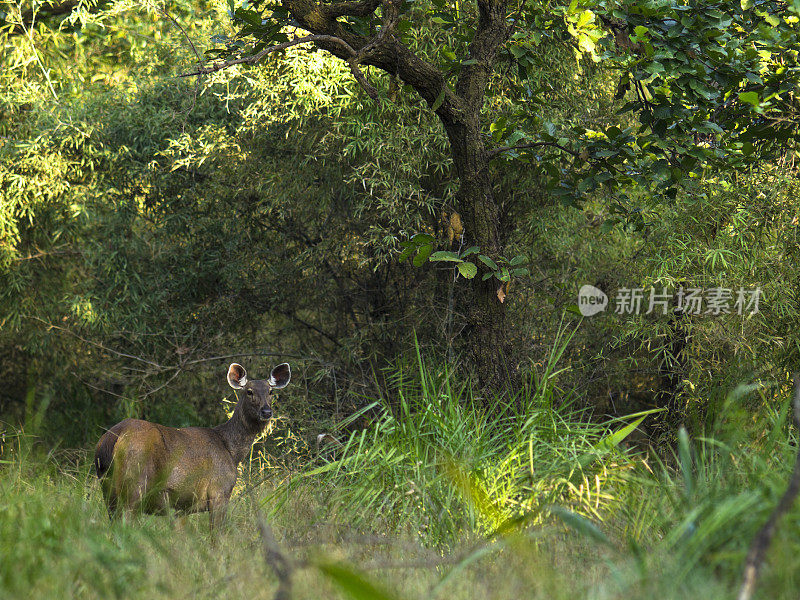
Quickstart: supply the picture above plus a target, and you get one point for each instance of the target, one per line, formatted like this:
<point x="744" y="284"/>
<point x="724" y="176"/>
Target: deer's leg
<point x="217" y="511"/>
<point x="109" y="496"/>
<point x="111" y="506"/>
<point x="180" y="522"/>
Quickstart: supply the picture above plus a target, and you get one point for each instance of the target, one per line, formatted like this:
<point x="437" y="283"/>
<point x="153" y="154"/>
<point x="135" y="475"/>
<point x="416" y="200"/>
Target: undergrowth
<point x="443" y="495"/>
<point x="439" y="461"/>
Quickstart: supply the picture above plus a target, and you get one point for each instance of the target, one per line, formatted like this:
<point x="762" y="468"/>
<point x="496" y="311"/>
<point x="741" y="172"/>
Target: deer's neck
<point x="239" y="433"/>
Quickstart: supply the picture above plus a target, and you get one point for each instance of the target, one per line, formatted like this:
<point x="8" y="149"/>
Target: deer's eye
<point x="249" y="392"/>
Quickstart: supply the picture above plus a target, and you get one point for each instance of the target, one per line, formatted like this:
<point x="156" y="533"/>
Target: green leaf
<point x="685" y="455"/>
<point x="750" y="97"/>
<point x="498" y="125"/>
<point x="439" y="99"/>
<point x="353" y="583"/>
<point x="422" y="238"/>
<point x="470" y="251"/>
<point x="521" y="272"/>
<point x="517" y="51"/>
<point x="320" y="470"/>
<point x="487" y="276"/>
<point x="467" y="269"/>
<point x="444" y="255"/>
<point x="584" y="19"/>
<point x="422" y="255"/>
<point x="640" y="30"/>
<point x="586" y="44"/>
<point x="406" y="253"/>
<point x="488" y="262"/>
<point x="747" y="4"/>
<point x="250" y="17"/>
<point x="518" y="260"/>
<point x="514" y="138"/>
<point x="654" y="68"/>
<point x="615" y="438"/>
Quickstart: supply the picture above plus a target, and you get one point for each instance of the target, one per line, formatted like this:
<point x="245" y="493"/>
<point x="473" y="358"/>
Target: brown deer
<point x="149" y="467"/>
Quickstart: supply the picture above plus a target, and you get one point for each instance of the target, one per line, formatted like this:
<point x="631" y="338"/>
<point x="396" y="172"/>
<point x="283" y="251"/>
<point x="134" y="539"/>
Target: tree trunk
<point x="485" y="333"/>
<point x="459" y="111"/>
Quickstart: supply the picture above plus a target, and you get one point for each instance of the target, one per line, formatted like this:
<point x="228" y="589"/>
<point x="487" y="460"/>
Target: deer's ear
<point x="237" y="376"/>
<point x="280" y="376"/>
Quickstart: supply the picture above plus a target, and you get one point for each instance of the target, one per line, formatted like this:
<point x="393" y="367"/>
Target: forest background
<point x="161" y="217"/>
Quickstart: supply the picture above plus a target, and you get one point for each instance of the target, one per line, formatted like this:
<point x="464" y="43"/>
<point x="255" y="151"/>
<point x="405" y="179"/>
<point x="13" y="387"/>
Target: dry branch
<point x="760" y="543"/>
<point x="353" y="61"/>
<point x="494" y="152"/>
<point x="51" y="9"/>
<point x="277" y="560"/>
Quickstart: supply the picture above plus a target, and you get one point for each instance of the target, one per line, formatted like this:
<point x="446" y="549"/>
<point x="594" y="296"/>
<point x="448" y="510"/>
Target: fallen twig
<point x="760" y="543"/>
<point x="280" y="563"/>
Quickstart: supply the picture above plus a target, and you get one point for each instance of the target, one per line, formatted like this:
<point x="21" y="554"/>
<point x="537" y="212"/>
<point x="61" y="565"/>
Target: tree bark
<point x="485" y="314"/>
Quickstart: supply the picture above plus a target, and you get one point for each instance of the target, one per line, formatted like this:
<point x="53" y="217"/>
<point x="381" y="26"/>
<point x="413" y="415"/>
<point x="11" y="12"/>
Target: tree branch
<point x="358" y="74"/>
<point x="103" y="347"/>
<point x="383" y="51"/>
<point x="362" y="8"/>
<point x="352" y="59"/>
<point x="29" y="17"/>
<point x="251" y="60"/>
<point x="492" y="153"/>
<point x="491" y="32"/>
<point x="62" y="250"/>
<point x="183" y="31"/>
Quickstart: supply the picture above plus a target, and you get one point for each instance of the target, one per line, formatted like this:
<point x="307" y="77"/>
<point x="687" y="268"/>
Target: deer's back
<point x="153" y="465"/>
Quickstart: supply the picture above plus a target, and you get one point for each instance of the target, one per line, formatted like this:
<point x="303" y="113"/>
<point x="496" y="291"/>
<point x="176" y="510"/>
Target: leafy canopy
<point x="708" y="84"/>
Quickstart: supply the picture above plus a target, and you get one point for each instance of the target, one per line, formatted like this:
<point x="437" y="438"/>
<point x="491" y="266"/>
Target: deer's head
<point x="255" y="402"/>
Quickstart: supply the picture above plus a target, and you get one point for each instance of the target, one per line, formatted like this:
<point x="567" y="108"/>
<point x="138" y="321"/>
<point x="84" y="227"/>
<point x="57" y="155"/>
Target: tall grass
<point x="442" y="462"/>
<point x="695" y="512"/>
<point x="444" y="495"/>
<point x="56" y="542"/>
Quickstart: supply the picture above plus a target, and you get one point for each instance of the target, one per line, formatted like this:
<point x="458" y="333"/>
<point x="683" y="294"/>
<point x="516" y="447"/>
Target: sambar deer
<point x="149" y="467"/>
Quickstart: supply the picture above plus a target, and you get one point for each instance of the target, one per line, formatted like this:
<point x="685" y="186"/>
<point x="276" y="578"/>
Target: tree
<point x="459" y="109"/>
<point x="711" y="85"/>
